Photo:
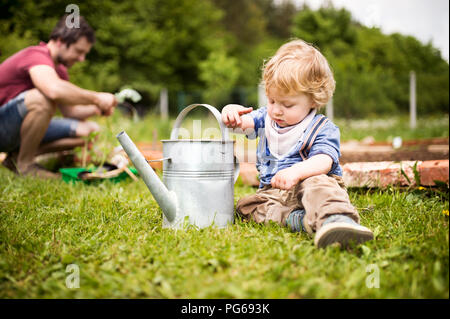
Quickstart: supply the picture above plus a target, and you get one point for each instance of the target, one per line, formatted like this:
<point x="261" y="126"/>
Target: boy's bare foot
<point x="36" y="170"/>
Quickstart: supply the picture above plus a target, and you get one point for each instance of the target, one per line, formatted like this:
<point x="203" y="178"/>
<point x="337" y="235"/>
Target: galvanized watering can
<point x="198" y="175"/>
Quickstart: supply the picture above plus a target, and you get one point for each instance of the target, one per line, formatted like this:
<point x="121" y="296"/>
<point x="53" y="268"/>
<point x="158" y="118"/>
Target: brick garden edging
<point x="376" y="174"/>
<point x="382" y="174"/>
<point x="433" y="170"/>
<point x="357" y="174"/>
<point x="151" y="151"/>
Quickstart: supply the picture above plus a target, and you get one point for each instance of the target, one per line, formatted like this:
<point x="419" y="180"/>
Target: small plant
<point x="91" y="155"/>
<point x="98" y="154"/>
<point x="128" y="94"/>
<point x="132" y="95"/>
<point x="416" y="174"/>
<point x="86" y="150"/>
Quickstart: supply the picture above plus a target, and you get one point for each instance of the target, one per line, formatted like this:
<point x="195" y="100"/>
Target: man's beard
<point x="60" y="60"/>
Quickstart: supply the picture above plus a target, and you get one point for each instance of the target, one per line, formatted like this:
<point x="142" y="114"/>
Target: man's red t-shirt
<point x="14" y="71"/>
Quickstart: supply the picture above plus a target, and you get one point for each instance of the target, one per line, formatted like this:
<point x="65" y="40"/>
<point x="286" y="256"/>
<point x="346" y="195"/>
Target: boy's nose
<point x="277" y="109"/>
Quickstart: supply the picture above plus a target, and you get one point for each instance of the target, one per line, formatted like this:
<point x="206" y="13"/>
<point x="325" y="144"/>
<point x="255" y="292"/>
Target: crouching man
<point x="34" y="82"/>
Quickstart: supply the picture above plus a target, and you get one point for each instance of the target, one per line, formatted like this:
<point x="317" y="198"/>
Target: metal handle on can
<point x="187" y="109"/>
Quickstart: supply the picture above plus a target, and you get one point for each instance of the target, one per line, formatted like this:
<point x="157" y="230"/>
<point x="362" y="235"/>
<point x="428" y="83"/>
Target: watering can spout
<point x="165" y="199"/>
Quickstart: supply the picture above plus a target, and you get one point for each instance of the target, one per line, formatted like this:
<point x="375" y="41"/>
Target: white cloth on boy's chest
<point x="281" y="140"/>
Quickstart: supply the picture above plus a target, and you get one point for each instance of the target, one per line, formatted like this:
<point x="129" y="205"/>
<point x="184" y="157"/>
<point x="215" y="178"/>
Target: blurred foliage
<point x="371" y="68"/>
<point x="219" y="73"/>
<point x="212" y="51"/>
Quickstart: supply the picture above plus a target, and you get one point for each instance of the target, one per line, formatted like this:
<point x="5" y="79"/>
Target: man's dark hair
<point x="71" y="35"/>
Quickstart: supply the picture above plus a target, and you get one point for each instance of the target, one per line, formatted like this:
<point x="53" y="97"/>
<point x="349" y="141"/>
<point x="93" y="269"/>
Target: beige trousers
<point x="320" y="196"/>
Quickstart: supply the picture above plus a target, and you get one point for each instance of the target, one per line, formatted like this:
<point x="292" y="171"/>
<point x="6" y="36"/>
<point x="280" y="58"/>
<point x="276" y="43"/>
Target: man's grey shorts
<point x="12" y="114"/>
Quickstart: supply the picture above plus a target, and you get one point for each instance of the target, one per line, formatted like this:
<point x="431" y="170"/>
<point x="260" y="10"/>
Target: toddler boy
<point x="298" y="151"/>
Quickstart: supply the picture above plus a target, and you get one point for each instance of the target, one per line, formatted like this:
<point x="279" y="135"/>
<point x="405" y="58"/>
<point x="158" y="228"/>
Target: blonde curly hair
<point x="298" y="67"/>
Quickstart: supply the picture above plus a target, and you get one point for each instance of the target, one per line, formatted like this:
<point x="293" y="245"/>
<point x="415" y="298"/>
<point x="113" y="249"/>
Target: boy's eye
<point x="288" y="106"/>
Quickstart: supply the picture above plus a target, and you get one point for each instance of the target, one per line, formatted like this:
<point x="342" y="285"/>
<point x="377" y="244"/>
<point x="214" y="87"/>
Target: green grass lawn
<point x="385" y="129"/>
<point x="113" y="233"/>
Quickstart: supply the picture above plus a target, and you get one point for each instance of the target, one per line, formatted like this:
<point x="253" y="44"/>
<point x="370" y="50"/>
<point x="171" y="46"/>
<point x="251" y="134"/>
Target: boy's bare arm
<point x="289" y="177"/>
<point x="235" y="116"/>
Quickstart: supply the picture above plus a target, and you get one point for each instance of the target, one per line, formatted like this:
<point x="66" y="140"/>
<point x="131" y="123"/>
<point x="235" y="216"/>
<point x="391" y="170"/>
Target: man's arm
<point x="46" y="80"/>
<point x="79" y="112"/>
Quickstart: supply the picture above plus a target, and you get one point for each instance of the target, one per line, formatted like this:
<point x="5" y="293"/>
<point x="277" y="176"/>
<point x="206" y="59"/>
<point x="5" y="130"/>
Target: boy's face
<point x="288" y="110"/>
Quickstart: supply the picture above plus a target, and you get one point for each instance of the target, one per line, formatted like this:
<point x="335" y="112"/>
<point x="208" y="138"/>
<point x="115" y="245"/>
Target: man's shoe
<point x="36" y="170"/>
<point x="343" y="230"/>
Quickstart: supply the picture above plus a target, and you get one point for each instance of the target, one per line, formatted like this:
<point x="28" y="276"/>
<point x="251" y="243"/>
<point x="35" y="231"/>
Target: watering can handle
<point x="187" y="109"/>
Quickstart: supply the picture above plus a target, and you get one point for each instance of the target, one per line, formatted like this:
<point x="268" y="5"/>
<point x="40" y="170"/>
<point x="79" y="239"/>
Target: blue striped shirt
<point x="326" y="142"/>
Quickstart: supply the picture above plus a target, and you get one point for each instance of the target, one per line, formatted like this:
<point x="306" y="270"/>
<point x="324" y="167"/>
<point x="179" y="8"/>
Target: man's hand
<point x="106" y="102"/>
<point x="231" y="115"/>
<point x="286" y="178"/>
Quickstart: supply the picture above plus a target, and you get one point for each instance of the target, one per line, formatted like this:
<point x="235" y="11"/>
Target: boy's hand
<point x="286" y="178"/>
<point x="289" y="177"/>
<point x="231" y="115"/>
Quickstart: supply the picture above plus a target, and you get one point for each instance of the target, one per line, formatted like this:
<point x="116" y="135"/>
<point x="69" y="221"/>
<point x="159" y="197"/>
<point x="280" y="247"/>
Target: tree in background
<point x="217" y="48"/>
<point x="143" y="44"/>
<point x="371" y="68"/>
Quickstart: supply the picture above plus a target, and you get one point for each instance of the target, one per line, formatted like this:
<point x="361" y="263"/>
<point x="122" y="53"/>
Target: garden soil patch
<point x="413" y="150"/>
